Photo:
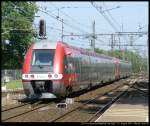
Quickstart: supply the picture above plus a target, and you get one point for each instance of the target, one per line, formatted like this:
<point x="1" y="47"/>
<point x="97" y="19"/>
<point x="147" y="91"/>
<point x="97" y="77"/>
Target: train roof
<point x="83" y="51"/>
<point x="44" y="44"/>
<point x="49" y="44"/>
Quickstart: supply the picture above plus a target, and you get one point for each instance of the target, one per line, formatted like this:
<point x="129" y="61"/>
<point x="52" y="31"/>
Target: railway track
<point x="21" y="110"/>
<point x="84" y="109"/>
<point x="49" y="113"/>
<point x="20" y="103"/>
<point x="14" y="107"/>
<point x="107" y="105"/>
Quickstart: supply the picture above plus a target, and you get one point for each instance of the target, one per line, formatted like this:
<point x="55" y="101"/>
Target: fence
<point x="11" y="74"/>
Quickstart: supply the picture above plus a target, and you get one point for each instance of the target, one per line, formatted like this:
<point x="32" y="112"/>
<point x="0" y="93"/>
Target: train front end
<point x="42" y="74"/>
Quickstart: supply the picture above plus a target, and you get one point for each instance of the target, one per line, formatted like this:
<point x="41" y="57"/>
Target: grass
<point x="14" y="84"/>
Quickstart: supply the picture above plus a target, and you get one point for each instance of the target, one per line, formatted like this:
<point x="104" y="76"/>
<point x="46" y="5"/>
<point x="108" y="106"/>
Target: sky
<point x="79" y="16"/>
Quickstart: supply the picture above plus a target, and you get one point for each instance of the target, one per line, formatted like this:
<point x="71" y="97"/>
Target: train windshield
<point x="43" y="57"/>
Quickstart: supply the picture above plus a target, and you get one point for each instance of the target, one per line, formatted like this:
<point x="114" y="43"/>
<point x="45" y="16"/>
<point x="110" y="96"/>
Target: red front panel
<point x="59" y="59"/>
<point x="70" y="78"/>
<point x="27" y="61"/>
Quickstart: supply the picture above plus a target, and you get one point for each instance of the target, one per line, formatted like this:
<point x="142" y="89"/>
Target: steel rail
<point x="80" y="106"/>
<point x="103" y="109"/>
<point x="27" y="111"/>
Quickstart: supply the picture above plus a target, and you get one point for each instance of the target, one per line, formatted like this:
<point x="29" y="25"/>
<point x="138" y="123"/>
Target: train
<point x="57" y="69"/>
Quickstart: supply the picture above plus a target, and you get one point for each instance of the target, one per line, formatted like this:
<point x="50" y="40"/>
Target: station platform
<point x="132" y="107"/>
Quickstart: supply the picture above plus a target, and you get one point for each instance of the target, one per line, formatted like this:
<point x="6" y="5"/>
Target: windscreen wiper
<point x="40" y="66"/>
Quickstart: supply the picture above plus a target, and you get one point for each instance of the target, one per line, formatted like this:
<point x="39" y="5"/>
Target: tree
<point x="17" y="20"/>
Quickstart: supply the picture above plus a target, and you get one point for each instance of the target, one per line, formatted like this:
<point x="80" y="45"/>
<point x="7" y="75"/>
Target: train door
<point x="82" y="69"/>
<point x="117" y="70"/>
<point x="66" y="71"/>
<point x="71" y="69"/>
<point x="77" y="75"/>
<point x="79" y="69"/>
<point x="89" y="69"/>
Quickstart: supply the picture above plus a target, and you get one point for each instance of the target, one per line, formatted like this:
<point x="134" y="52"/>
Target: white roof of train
<point x="45" y="44"/>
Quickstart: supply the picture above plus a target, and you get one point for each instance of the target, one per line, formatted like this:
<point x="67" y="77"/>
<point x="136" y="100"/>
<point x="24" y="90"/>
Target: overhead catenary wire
<point x="81" y="24"/>
<point x="113" y="19"/>
<point x="20" y="9"/>
<point x="55" y="17"/>
<point x="49" y="15"/>
<point x="57" y="29"/>
<point x="13" y="29"/>
<point x="14" y="19"/>
<point x="111" y="15"/>
<point x="26" y="20"/>
<point x="19" y="29"/>
<point x="18" y="19"/>
<point x="71" y="17"/>
<point x="81" y="44"/>
<point x="60" y="29"/>
<point x="77" y="41"/>
<point x="105" y="16"/>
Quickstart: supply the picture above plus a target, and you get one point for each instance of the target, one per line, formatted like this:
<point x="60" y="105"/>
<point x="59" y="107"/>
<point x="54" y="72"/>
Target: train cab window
<point x="43" y="57"/>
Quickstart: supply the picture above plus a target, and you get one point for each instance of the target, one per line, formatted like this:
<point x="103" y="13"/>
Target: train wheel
<point x="68" y="91"/>
<point x="89" y="86"/>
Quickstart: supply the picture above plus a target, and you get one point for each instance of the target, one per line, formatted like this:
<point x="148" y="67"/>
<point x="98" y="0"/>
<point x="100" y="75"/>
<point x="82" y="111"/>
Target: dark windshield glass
<point x="43" y="57"/>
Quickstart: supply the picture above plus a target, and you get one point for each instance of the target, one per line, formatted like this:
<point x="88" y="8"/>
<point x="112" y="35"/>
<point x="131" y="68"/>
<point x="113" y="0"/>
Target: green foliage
<point x="14" y="84"/>
<point x="138" y="63"/>
<point x="99" y="51"/>
<point x="17" y="19"/>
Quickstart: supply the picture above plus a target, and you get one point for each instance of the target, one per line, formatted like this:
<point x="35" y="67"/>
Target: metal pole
<point x="112" y="42"/>
<point x="58" y="12"/>
<point x="122" y="27"/>
<point x="62" y="31"/>
<point x="148" y="57"/>
<point x="124" y="54"/>
<point x="119" y="40"/>
<point x="93" y="41"/>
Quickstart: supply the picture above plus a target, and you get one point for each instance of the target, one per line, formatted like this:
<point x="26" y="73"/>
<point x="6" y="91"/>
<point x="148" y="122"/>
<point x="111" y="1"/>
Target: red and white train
<point x="56" y="69"/>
